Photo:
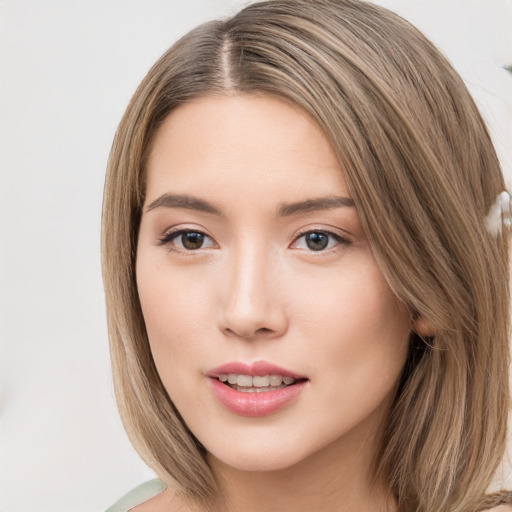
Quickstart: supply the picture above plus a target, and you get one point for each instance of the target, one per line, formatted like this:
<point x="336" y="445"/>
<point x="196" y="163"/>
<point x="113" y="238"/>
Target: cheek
<point x="361" y="330"/>
<point x="172" y="307"/>
<point x="178" y="305"/>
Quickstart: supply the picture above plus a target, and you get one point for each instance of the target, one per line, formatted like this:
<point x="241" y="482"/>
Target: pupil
<point x="192" y="240"/>
<point x="317" y="241"/>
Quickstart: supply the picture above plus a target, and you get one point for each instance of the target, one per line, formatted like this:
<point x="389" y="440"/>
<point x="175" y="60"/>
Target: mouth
<point x="256" y="383"/>
<point x="256" y="389"/>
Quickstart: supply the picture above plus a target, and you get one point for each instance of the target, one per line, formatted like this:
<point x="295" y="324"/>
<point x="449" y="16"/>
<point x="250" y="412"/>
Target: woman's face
<point x="270" y="323"/>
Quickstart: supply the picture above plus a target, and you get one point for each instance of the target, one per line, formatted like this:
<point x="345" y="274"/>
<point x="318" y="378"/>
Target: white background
<point x="67" y="71"/>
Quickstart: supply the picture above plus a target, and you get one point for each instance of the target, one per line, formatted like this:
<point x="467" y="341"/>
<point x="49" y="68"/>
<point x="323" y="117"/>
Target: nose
<point x="252" y="303"/>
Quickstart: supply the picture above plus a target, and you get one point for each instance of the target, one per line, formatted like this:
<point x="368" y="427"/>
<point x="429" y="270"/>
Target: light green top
<point x="138" y="495"/>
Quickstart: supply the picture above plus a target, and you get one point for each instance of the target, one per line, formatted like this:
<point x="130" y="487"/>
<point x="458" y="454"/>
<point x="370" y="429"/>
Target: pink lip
<point x="254" y="404"/>
<point x="256" y="368"/>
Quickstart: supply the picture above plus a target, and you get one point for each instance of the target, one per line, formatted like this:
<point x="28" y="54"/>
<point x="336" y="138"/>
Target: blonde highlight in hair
<point x="422" y="172"/>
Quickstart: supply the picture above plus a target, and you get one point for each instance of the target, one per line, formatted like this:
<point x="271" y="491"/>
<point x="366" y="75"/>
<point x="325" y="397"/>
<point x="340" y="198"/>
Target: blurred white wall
<point x="67" y="71"/>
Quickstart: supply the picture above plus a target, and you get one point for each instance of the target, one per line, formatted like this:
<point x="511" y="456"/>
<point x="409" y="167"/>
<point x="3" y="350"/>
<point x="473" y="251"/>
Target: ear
<point x="423" y="327"/>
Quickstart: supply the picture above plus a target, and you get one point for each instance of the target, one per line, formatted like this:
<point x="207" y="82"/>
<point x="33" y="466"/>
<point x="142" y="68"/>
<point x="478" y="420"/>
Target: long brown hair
<point x="423" y="173"/>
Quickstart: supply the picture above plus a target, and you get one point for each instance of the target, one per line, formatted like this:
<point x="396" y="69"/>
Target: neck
<point x="338" y="477"/>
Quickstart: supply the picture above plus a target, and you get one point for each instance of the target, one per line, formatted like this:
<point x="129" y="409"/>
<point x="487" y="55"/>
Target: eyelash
<point x="341" y="241"/>
<point x="170" y="236"/>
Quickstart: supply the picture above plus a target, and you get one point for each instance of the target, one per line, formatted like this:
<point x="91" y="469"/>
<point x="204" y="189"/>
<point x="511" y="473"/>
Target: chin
<point x="275" y="457"/>
<point x="258" y="464"/>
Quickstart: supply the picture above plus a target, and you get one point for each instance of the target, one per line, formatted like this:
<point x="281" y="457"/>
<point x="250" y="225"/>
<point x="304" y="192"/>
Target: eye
<point x="319" y="240"/>
<point x="184" y="240"/>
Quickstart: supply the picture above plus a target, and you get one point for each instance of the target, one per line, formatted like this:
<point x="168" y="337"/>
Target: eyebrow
<point x="183" y="201"/>
<point x="285" y="209"/>
<point x="311" y="205"/>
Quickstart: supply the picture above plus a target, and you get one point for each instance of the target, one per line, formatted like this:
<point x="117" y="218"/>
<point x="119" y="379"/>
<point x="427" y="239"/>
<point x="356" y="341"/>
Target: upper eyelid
<point x="341" y="239"/>
<point x="301" y="233"/>
<point x="171" y="234"/>
<point x="340" y="235"/>
<point x="183" y="228"/>
<point x="328" y="231"/>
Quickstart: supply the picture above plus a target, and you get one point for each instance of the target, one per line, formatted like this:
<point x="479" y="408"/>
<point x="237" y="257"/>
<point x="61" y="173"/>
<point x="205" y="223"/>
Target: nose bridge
<point x="251" y="305"/>
<point x="251" y="270"/>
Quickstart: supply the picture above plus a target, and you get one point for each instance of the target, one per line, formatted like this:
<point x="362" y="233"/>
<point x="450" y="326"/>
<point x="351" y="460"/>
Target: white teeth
<point x="275" y="380"/>
<point x="244" y="380"/>
<point x="256" y="390"/>
<point x="257" y="381"/>
<point x="261" y="382"/>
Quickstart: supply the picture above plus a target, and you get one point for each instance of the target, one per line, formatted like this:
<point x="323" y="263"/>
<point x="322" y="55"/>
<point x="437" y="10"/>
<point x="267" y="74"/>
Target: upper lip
<point x="253" y="369"/>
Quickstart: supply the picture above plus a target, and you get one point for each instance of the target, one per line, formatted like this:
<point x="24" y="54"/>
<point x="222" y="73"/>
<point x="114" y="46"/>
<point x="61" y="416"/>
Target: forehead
<point x="242" y="142"/>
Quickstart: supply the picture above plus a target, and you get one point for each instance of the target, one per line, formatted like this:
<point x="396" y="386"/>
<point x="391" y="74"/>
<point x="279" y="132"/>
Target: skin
<point x="256" y="291"/>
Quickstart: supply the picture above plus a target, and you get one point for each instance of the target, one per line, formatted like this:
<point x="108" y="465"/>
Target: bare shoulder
<point x="166" y="501"/>
<point x="501" y="508"/>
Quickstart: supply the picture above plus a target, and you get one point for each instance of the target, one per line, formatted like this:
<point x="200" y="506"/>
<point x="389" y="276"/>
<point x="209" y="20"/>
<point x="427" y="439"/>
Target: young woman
<point x="306" y="278"/>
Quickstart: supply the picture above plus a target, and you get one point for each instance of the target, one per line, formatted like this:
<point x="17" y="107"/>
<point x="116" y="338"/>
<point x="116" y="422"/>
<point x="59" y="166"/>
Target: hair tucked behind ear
<point x="422" y="172"/>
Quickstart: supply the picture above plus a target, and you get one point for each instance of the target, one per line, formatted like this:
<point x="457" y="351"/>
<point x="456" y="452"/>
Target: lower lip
<point x="255" y="404"/>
